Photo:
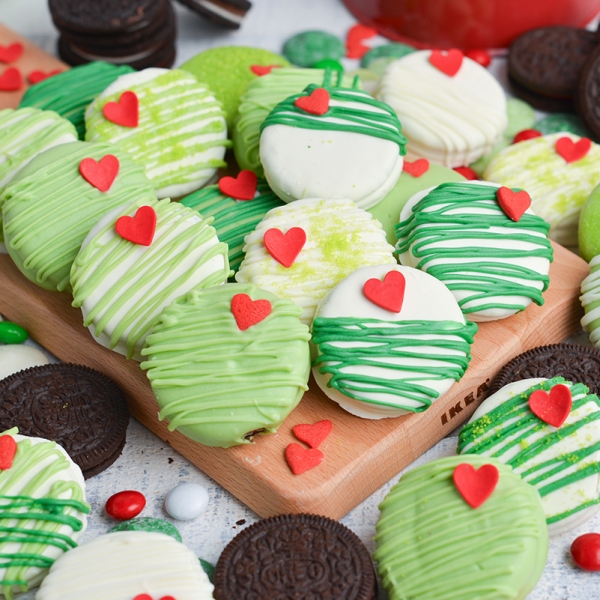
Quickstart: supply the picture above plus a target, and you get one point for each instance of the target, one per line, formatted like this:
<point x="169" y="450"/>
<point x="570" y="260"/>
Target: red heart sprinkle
<point x="552" y="408"/>
<point x="100" y="174"/>
<point x="125" y="505"/>
<point x="417" y="167"/>
<point x="467" y="173"/>
<point x="514" y="204"/>
<point x="284" y="248"/>
<point x="242" y="187"/>
<point x="11" y="53"/>
<point x="585" y="551"/>
<point x="11" y="80"/>
<point x="37" y="76"/>
<point x="475" y="485"/>
<point x="526" y="134"/>
<point x="313" y="435"/>
<point x="125" y="112"/>
<point x="261" y="70"/>
<point x="8" y="449"/>
<point x="302" y="459"/>
<point x="315" y="104"/>
<point x="572" y="151"/>
<point x="387" y="294"/>
<point x="356" y="49"/>
<point x="140" y="228"/>
<point x="248" y="312"/>
<point x="479" y="56"/>
<point x="447" y="62"/>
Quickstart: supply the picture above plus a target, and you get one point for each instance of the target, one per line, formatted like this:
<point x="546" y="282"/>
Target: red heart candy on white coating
<point x="140" y="228"/>
<point x="387" y="294"/>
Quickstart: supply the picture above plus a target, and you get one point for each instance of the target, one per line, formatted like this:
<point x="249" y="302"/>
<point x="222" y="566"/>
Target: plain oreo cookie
<point x="295" y="556"/>
<point x="587" y="101"/>
<point x="580" y="364"/>
<point x="79" y="408"/>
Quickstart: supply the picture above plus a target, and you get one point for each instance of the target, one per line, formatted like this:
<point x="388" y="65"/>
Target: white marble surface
<point x="153" y="468"/>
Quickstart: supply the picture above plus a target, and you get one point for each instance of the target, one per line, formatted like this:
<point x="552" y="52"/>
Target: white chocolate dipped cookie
<point x="127" y="565"/>
<point x="170" y="123"/>
<point x="548" y="431"/>
<point x="135" y="263"/>
<point x="390" y="340"/>
<point x="303" y="249"/>
<point x="452" y="110"/>
<point x="332" y="142"/>
<point x="590" y="300"/>
<point x="480" y="240"/>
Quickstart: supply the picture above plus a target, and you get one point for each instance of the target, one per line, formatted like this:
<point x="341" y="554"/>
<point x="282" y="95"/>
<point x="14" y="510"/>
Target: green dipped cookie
<point x="432" y="545"/>
<point x="261" y="97"/>
<point x="227" y="363"/>
<point x="589" y="226"/>
<point x="49" y="207"/>
<point x="149" y="524"/>
<point x="310" y="47"/>
<point x="233" y="219"/>
<point x="69" y="93"/>
<point x="590" y="300"/>
<point x="387" y="212"/>
<point x="227" y="72"/>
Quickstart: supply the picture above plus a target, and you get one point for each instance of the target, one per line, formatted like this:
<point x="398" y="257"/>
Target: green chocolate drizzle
<point x="512" y="426"/>
<point x="469" y="213"/>
<point x="590" y="300"/>
<point x="400" y="340"/>
<point x="350" y="110"/>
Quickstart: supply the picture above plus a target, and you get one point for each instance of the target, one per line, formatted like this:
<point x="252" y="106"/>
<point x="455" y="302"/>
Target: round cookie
<point x="558" y="186"/>
<point x="340" y="238"/>
<point x="432" y="544"/>
<point x="387" y="212"/>
<point x="310" y="47"/>
<point x="463" y="234"/>
<point x="69" y="93"/>
<point x="41" y="484"/>
<point x="390" y="340"/>
<point x="326" y="558"/>
<point x="123" y="284"/>
<point x="227" y="72"/>
<point x="587" y="97"/>
<point x="127" y="564"/>
<point x="332" y="142"/>
<point x="50" y="207"/>
<point x="149" y="524"/>
<point x="240" y="372"/>
<point x="260" y="98"/>
<point x="588" y="234"/>
<point x="233" y="219"/>
<point x="449" y="117"/>
<point x="180" y="138"/>
<point x="590" y="300"/>
<point x="561" y="461"/>
<point x="79" y="408"/>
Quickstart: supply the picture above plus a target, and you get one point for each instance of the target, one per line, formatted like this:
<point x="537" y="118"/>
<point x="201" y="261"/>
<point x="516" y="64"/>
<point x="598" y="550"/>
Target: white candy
<point x="187" y="501"/>
<point x="16" y="357"/>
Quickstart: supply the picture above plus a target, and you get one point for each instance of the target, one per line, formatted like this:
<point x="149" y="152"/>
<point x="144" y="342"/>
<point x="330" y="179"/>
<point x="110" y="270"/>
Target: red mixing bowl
<point x="468" y="24"/>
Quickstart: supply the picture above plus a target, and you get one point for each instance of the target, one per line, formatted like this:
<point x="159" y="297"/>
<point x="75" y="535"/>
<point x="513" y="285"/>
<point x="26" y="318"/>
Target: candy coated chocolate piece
<point x="585" y="551"/>
<point x="11" y="333"/>
<point x="125" y="505"/>
<point x="187" y="501"/>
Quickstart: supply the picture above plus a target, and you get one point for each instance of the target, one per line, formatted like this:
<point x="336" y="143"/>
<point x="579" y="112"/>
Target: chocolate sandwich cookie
<point x="541" y="102"/>
<point x="228" y="13"/>
<point x="580" y="364"/>
<point x="587" y="100"/>
<point x="79" y="408"/>
<point x="295" y="556"/>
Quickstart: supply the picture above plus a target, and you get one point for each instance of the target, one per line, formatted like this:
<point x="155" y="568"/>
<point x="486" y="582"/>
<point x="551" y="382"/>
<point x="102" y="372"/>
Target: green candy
<point x="149" y="524"/>
<point x="308" y="48"/>
<point x="392" y="51"/>
<point x="562" y="122"/>
<point x="208" y="569"/>
<point x="329" y="63"/>
<point x="11" y="333"/>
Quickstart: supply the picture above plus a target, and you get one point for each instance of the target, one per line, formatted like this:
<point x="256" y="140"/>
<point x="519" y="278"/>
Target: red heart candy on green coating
<point x="261" y="70"/>
<point x="572" y="151"/>
<point x="284" y="248"/>
<point x="514" y="204"/>
<point x="552" y="408"/>
<point x="313" y="435"/>
<point x="11" y="53"/>
<point x="125" y="112"/>
<point x="8" y="449"/>
<point x="248" y="312"/>
<point x="302" y="459"/>
<point x="315" y="104"/>
<point x="448" y="62"/>
<point x="11" y="80"/>
<point x="140" y="228"/>
<point x="475" y="485"/>
<point x="387" y="294"/>
<point x="101" y="174"/>
<point x="242" y="187"/>
<point x="417" y="167"/>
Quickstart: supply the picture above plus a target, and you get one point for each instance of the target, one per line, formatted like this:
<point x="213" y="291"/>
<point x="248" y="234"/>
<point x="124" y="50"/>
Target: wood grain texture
<point x="360" y="455"/>
<point x="32" y="59"/>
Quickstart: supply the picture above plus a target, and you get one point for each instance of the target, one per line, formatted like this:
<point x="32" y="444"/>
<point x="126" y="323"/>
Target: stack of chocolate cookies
<point x="139" y="33"/>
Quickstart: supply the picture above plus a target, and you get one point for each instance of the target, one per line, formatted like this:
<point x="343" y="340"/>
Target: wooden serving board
<point x="360" y="455"/>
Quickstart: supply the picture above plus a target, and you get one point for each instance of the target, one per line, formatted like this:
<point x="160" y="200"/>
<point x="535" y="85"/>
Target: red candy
<point x="467" y="173"/>
<point x="302" y="459"/>
<point x="526" y="134"/>
<point x="125" y="505"/>
<point x="479" y="56"/>
<point x="387" y="294"/>
<point x="8" y="449"/>
<point x="585" y="551"/>
<point x="125" y="112"/>
<point x="101" y="174"/>
<point x="248" y="312"/>
<point x="284" y="248"/>
<point x="11" y="80"/>
<point x="313" y="435"/>
<point x="11" y="53"/>
<point x="554" y="407"/>
<point x="139" y="229"/>
<point x="514" y="204"/>
<point x="475" y="485"/>
<point x="315" y="104"/>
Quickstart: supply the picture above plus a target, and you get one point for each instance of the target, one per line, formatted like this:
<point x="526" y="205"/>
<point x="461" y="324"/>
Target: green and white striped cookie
<point x="590" y="300"/>
<point x="180" y="136"/>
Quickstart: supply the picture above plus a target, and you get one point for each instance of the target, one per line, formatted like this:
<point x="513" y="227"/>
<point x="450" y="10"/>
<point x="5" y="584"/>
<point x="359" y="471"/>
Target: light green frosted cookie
<point x="431" y="545"/>
<point x="590" y="300"/>
<point x="122" y="286"/>
<point x="262" y="95"/>
<point x="49" y="208"/>
<point x="589" y="226"/>
<point x="181" y="135"/>
<point x="227" y="72"/>
<point x="558" y="188"/>
<point x="227" y="363"/>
